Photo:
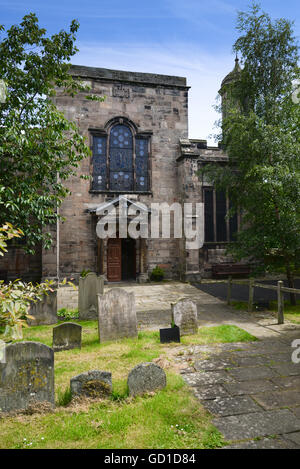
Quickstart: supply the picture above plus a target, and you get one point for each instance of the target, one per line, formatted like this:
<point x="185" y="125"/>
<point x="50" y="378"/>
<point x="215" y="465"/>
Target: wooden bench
<point x="225" y="270"/>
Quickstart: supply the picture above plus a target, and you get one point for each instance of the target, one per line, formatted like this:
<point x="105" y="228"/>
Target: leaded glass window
<point x="121" y="158"/>
<point x="218" y="228"/>
<point x="141" y="164"/>
<point x="99" y="163"/>
<point x="120" y="161"/>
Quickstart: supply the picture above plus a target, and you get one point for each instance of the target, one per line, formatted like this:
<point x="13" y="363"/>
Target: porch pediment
<point x="121" y="201"/>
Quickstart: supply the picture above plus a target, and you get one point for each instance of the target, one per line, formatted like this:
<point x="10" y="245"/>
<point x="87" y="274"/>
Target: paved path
<point x="251" y="389"/>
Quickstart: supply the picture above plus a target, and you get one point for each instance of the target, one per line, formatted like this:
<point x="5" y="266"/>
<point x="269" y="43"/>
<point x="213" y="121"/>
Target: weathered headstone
<point x="117" y="315"/>
<point x="27" y="376"/>
<point x="146" y="377"/>
<point x="184" y="315"/>
<point x="44" y="312"/>
<point x="89" y="287"/>
<point x="67" y="336"/>
<point x="95" y="384"/>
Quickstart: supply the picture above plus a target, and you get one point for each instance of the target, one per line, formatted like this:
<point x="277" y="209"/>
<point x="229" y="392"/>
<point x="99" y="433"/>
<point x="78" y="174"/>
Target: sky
<point x="190" y="38"/>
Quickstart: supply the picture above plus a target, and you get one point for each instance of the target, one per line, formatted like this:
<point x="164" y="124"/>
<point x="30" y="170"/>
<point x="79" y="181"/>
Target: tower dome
<point x="232" y="76"/>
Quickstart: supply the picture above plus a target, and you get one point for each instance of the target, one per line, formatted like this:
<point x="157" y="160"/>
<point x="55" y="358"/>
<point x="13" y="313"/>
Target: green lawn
<point x="171" y="418"/>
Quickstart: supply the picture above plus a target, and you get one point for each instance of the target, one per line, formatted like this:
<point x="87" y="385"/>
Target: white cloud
<point x="204" y="73"/>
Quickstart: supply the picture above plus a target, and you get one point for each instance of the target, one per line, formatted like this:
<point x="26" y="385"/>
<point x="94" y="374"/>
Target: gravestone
<point x="27" y="376"/>
<point x="117" y="315"/>
<point x="44" y="311"/>
<point x="146" y="377"/>
<point x="184" y="315"/>
<point x="89" y="287"/>
<point x="95" y="384"/>
<point x="67" y="336"/>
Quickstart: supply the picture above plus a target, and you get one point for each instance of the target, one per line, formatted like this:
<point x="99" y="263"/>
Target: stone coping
<point x="104" y="74"/>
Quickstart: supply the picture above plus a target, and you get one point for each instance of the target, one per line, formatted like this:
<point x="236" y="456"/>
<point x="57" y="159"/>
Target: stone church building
<point x="141" y="152"/>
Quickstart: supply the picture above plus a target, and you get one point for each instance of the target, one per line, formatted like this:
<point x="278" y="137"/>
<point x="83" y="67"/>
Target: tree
<point x="37" y="143"/>
<point x="16" y="297"/>
<point x="261" y="135"/>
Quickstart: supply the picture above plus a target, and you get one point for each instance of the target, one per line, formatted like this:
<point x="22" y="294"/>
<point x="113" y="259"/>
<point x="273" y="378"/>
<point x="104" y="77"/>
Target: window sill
<point x="92" y="191"/>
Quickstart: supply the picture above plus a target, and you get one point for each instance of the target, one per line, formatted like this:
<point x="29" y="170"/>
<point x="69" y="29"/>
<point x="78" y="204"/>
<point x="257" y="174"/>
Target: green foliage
<point x="16" y="297"/>
<point x="84" y="273"/>
<point x="7" y="232"/>
<point x="261" y="135"/>
<point x="39" y="147"/>
<point x="64" y="397"/>
<point x="67" y="314"/>
<point x="15" y="300"/>
<point x="157" y="274"/>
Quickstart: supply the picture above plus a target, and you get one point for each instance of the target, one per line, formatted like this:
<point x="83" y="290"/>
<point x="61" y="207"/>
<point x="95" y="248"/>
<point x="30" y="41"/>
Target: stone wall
<point x="157" y="104"/>
<point x="196" y="264"/>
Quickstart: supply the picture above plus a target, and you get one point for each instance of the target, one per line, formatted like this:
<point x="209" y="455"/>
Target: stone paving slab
<point x="247" y="374"/>
<point x="296" y="411"/>
<point x="250" y="387"/>
<point x="275" y="400"/>
<point x="293" y="437"/>
<point x="248" y="426"/>
<point x="210" y="392"/>
<point x="213" y="364"/>
<point x="207" y="378"/>
<point x="286" y="369"/>
<point x="287" y="382"/>
<point x="250" y="361"/>
<point x="265" y="443"/>
<point x="276" y="358"/>
<point x="224" y="406"/>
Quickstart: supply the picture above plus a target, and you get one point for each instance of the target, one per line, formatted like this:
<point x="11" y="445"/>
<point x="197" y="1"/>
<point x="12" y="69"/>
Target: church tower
<point x="226" y="88"/>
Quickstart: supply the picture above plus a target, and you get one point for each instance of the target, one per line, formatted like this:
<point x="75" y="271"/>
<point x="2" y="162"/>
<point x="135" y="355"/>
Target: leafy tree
<point x="261" y="135"/>
<point x="37" y="143"/>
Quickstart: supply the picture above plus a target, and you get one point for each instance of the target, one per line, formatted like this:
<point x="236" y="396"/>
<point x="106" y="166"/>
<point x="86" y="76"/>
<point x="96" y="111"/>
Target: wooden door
<point x="114" y="260"/>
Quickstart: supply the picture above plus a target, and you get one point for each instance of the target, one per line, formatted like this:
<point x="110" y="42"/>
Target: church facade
<point x="141" y="154"/>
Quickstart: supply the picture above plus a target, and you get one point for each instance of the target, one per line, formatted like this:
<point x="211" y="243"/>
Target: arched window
<point x="120" y="160"/>
<point x="121" y="170"/>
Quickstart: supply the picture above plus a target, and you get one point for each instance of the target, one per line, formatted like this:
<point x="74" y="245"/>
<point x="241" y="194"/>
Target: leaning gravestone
<point x="184" y="315"/>
<point x="27" y="376"/>
<point x="95" y="384"/>
<point x="146" y="377"/>
<point x="89" y="287"/>
<point x="44" y="312"/>
<point x="66" y="336"/>
<point x="117" y="315"/>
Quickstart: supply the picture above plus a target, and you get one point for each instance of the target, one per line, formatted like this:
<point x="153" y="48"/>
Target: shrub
<point x="67" y="314"/>
<point x="84" y="273"/>
<point x="157" y="274"/>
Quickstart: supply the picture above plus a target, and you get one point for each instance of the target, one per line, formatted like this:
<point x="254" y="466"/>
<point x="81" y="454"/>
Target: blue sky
<point x="191" y="38"/>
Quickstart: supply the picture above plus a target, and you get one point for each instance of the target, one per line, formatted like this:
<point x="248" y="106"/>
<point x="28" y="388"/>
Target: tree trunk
<point x="290" y="279"/>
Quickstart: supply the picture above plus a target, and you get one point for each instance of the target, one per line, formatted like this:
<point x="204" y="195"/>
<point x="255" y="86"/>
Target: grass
<point x="170" y="418"/>
<point x="291" y="313"/>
